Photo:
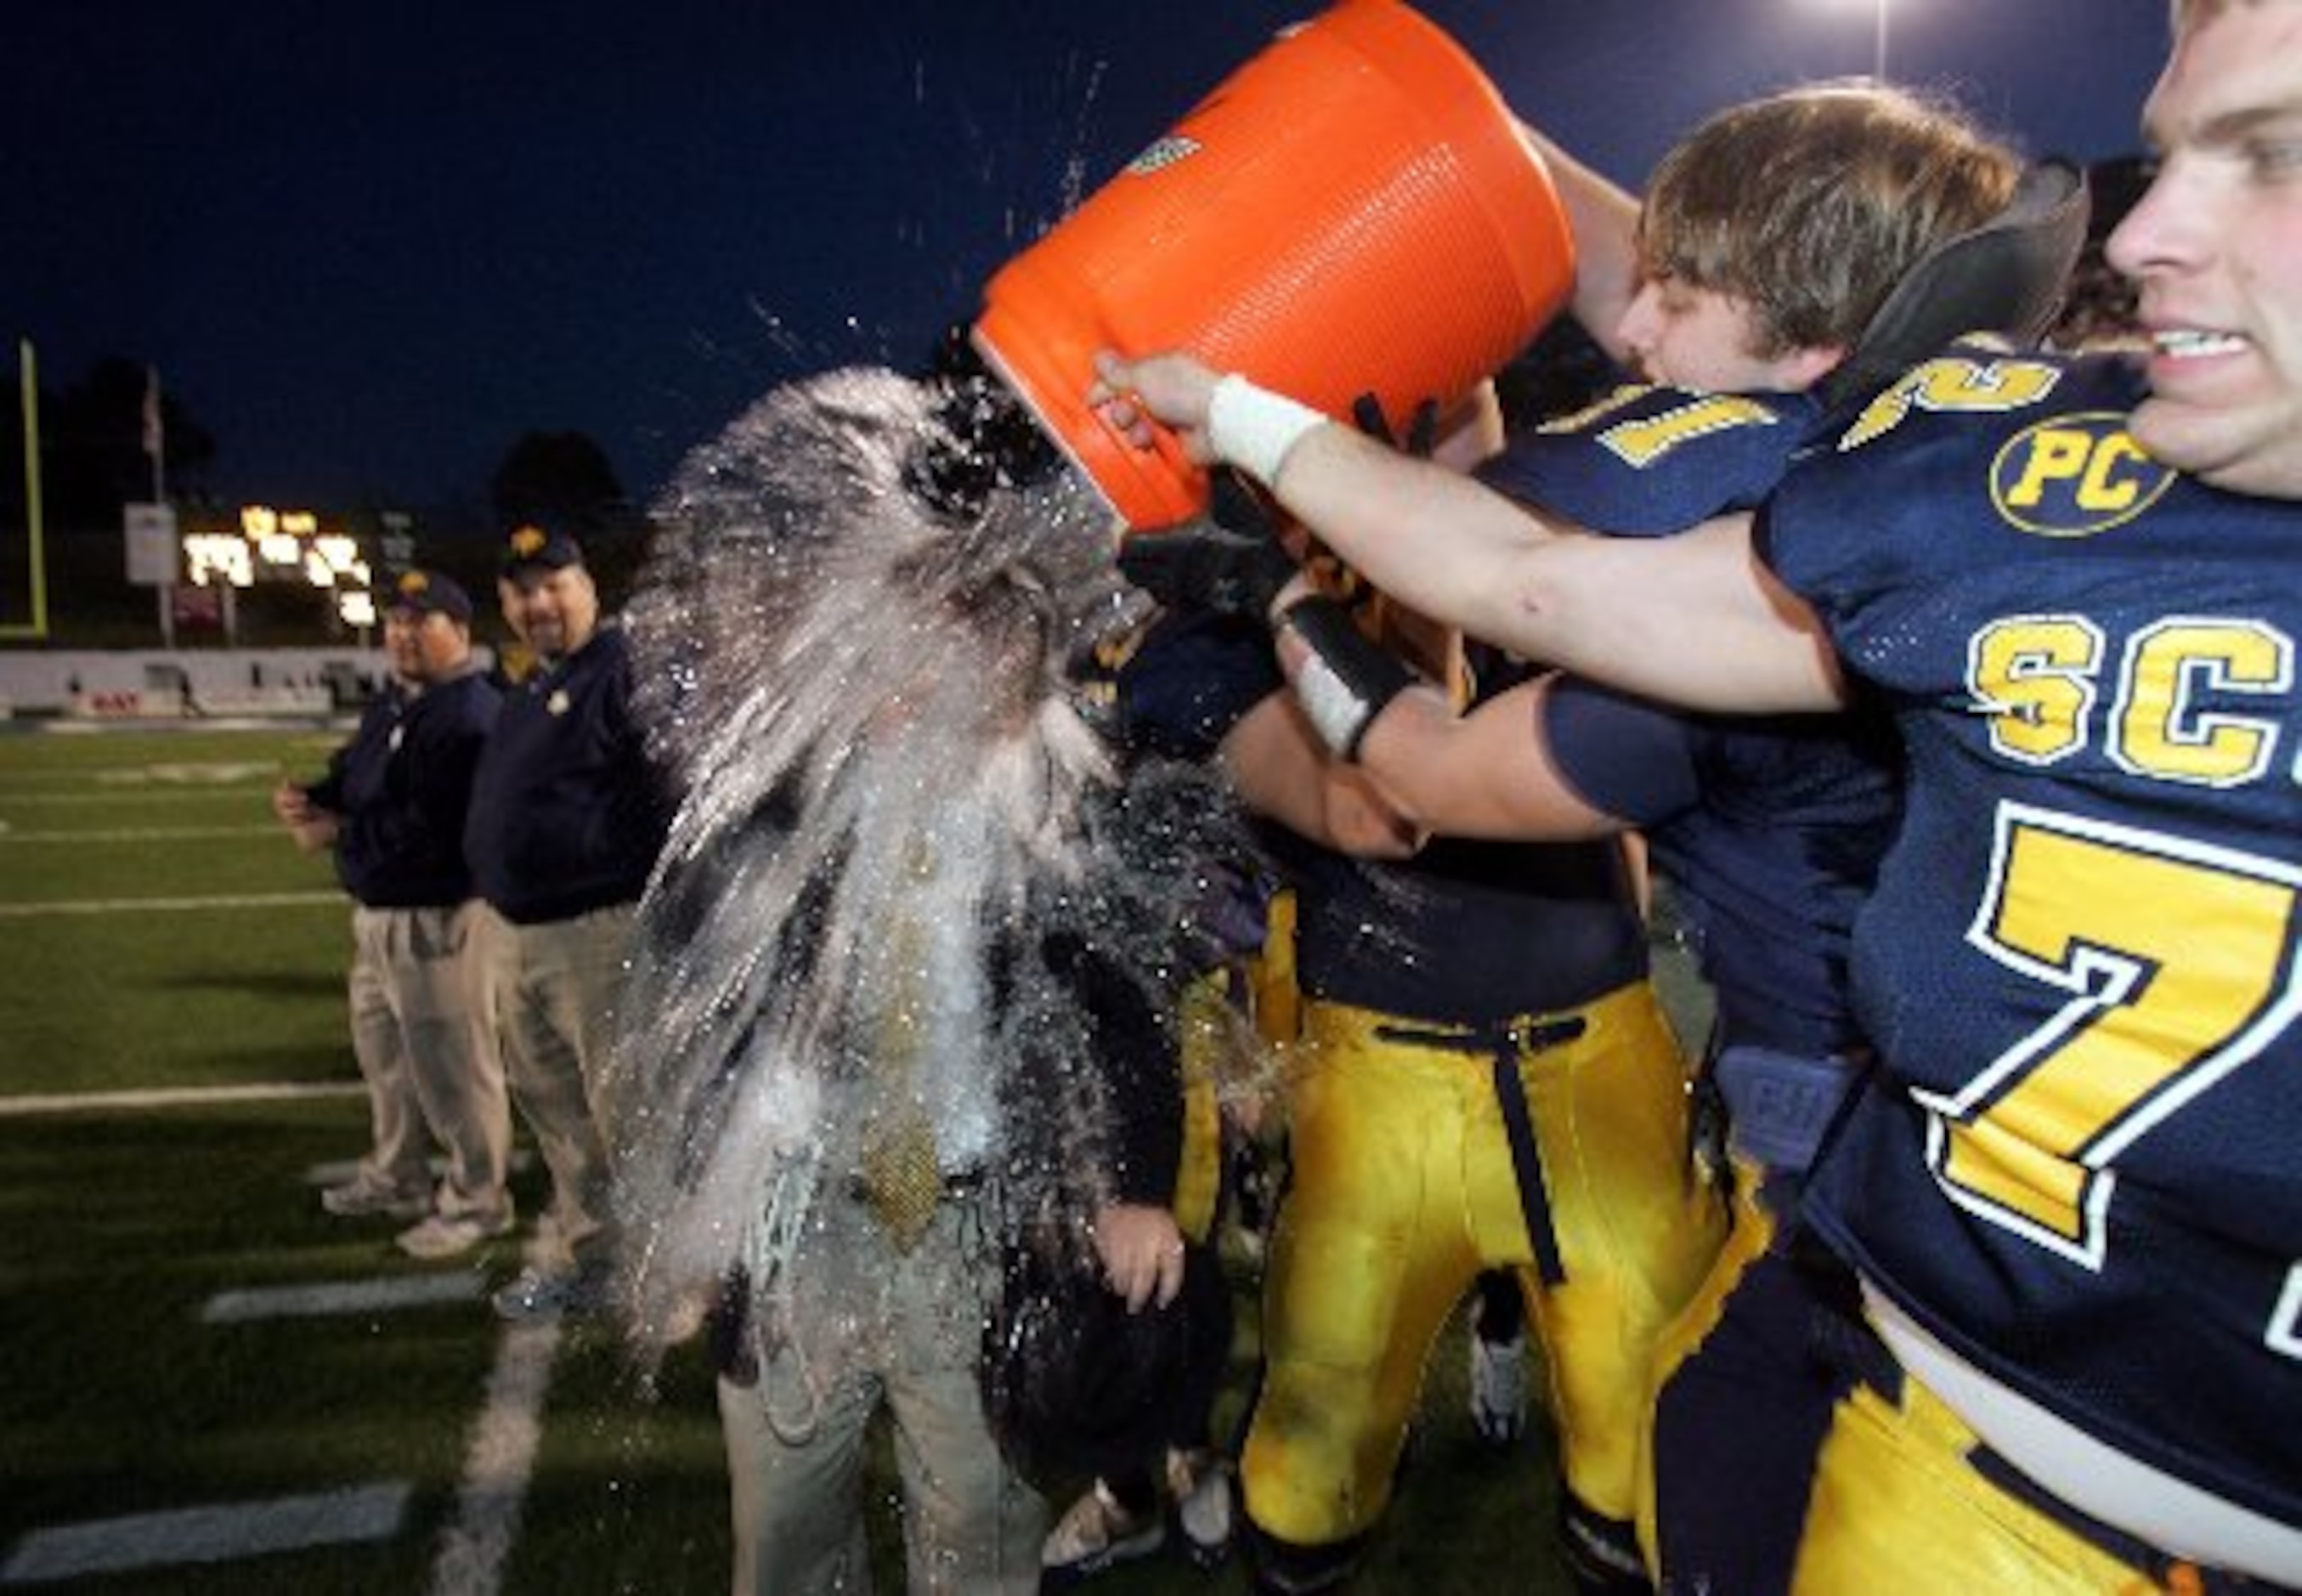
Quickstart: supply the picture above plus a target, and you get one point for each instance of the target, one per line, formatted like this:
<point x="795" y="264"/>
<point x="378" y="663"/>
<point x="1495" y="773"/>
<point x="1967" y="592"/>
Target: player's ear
<point x="1808" y="365"/>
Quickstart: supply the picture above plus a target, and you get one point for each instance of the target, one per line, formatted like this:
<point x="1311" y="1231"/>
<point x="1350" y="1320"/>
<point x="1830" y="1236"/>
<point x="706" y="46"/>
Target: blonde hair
<point x="1811" y="205"/>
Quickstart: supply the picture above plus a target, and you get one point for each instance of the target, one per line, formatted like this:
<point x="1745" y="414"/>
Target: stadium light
<point x="1879" y="9"/>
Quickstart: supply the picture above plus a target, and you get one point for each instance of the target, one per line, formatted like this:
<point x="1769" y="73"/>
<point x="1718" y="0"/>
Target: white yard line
<point x="259" y="900"/>
<point x="336" y="1172"/>
<point x="214" y="1534"/>
<point x="385" y="1294"/>
<point x="500" y="1457"/>
<point x="497" y="1466"/>
<point x="499" y="1462"/>
<point x="199" y="1096"/>
<point x="142" y="834"/>
<point x="171" y="796"/>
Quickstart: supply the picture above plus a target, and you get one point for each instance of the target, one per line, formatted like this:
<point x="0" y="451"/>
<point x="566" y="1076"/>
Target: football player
<point x="2067" y="1192"/>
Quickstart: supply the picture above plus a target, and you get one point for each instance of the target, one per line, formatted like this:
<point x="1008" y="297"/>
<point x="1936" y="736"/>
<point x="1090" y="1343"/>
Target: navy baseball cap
<point x="428" y="592"/>
<point x="531" y="545"/>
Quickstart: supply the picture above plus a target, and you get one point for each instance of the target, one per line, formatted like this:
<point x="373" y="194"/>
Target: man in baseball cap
<point x="428" y="592"/>
<point x="392" y="806"/>
<point x="532" y="548"/>
<point x="566" y="816"/>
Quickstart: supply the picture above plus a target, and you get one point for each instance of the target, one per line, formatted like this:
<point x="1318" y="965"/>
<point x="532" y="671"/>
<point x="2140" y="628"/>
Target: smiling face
<point x="2213" y="244"/>
<point x="554" y="611"/>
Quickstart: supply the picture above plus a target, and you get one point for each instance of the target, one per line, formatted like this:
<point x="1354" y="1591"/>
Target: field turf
<point x="174" y="1078"/>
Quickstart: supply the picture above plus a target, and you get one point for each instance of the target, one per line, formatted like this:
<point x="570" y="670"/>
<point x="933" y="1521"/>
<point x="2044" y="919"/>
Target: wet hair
<point x="980" y="435"/>
<point x="1811" y="205"/>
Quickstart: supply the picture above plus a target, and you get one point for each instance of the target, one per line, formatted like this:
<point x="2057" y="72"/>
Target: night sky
<point x="368" y="245"/>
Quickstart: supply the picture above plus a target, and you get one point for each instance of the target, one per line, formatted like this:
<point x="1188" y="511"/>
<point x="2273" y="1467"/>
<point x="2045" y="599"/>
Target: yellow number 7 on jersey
<point x="2179" y="958"/>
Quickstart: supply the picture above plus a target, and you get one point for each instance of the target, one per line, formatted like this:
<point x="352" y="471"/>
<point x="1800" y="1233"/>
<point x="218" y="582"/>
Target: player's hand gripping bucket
<point x="1353" y="211"/>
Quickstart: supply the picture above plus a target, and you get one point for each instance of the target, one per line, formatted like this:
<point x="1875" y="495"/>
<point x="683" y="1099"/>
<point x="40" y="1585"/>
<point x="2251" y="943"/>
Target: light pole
<point x="1878" y="10"/>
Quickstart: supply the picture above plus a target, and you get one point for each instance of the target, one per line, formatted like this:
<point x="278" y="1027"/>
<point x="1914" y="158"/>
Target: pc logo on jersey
<point x="2075" y="477"/>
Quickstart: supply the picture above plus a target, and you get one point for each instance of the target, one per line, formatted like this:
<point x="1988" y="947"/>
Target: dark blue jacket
<point x="568" y="815"/>
<point x="401" y="789"/>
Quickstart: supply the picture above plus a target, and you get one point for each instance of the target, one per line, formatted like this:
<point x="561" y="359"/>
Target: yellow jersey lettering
<point x="1952" y="383"/>
<point x="2175" y="961"/>
<point x="2056" y="456"/>
<point x="2033" y="676"/>
<point x="2076" y="476"/>
<point x="1641" y="443"/>
<point x="2162" y="733"/>
<point x="1606" y="404"/>
<point x="2115" y="473"/>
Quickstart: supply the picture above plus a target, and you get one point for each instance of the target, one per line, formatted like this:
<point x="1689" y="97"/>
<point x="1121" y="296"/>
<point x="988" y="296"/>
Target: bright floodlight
<point x="1879" y="52"/>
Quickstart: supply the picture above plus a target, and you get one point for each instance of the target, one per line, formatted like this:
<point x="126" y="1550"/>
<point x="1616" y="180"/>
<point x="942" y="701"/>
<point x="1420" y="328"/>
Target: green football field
<point x="207" y="1384"/>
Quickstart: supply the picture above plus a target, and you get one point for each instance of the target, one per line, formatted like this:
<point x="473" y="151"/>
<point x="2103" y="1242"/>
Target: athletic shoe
<point x="1097" y="1533"/>
<point x="539" y="1294"/>
<point x="1498" y="1389"/>
<point x="440" y="1236"/>
<point x="364" y="1196"/>
<point x="1200" y="1482"/>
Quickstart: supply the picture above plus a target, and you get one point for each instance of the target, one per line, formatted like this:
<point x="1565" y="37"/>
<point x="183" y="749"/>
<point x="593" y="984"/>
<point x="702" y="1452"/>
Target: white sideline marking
<point x="189" y="1096"/>
<point x="259" y="900"/>
<point x="344" y="1296"/>
<point x="174" y="798"/>
<point x="208" y="772"/>
<point x="336" y="1172"/>
<point x="207" y="1534"/>
<point x="470" y="1561"/>
<point x="142" y="834"/>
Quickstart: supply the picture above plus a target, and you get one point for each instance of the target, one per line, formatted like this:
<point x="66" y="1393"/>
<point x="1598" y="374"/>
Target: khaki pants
<point x="428" y="1054"/>
<point x="796" y="1440"/>
<point x="555" y="991"/>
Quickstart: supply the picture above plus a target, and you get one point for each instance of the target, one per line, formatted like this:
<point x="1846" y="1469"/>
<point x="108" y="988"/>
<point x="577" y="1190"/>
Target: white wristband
<point x="1255" y="429"/>
<point x="1337" y="713"/>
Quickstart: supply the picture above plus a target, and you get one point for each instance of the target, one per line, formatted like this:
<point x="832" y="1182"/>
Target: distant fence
<point x="154" y="683"/>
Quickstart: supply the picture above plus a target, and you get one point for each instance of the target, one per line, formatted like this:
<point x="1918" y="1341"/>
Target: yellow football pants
<point x="1404" y="1189"/>
<point x="1896" y="1503"/>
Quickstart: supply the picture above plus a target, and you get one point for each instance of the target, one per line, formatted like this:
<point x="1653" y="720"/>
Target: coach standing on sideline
<point x="567" y="818"/>
<point x="392" y="806"/>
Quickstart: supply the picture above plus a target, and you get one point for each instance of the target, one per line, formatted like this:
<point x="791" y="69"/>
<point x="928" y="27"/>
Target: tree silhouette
<point x="563" y="481"/>
<point x="559" y="480"/>
<point x="92" y="458"/>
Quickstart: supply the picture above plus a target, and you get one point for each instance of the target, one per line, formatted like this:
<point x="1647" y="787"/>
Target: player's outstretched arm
<point x="1486" y="773"/>
<point x="1694" y="620"/>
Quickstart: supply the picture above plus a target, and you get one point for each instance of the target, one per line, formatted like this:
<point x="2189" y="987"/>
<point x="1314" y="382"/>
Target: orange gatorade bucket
<point x="1353" y="211"/>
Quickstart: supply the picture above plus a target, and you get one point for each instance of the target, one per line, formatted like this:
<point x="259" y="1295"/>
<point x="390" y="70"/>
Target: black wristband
<point x="1348" y="679"/>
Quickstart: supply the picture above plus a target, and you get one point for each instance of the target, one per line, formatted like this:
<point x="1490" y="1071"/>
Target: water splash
<point x="894" y="814"/>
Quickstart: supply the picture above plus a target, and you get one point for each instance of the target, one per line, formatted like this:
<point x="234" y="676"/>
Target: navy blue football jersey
<point x="1465" y="932"/>
<point x="2080" y="1168"/>
<point x="1469" y="931"/>
<point x="1770" y="829"/>
<point x="1177" y="688"/>
<point x="1647" y="461"/>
